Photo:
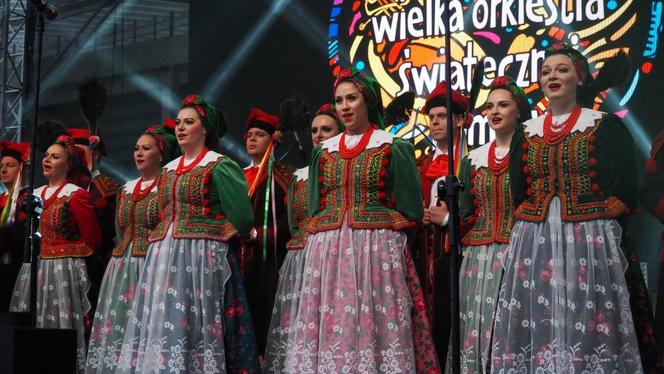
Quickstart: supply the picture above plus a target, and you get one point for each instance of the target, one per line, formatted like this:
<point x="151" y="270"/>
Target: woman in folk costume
<point x="652" y="197"/>
<point x="14" y="161"/>
<point x="430" y="253"/>
<point x="487" y="218"/>
<point x="324" y="125"/>
<point x="69" y="234"/>
<point x="137" y="215"/>
<point x="564" y="303"/>
<point x="103" y="192"/>
<point x="268" y="189"/>
<point x="361" y="308"/>
<point x="190" y="313"/>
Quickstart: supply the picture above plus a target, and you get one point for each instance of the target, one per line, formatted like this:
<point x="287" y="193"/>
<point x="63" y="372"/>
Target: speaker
<point x="31" y="350"/>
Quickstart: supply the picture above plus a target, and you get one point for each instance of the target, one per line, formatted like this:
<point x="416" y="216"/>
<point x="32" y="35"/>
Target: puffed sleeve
<point x="86" y="219"/>
<point x="314" y="184"/>
<point x="466" y="199"/>
<point x="293" y="225"/>
<point x="233" y="194"/>
<point x="518" y="183"/>
<point x="652" y="191"/>
<point x="616" y="168"/>
<point x="406" y="180"/>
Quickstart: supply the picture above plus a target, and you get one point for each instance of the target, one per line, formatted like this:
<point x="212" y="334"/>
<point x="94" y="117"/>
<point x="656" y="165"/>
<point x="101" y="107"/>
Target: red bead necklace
<point x="138" y="193"/>
<point x="497" y="165"/>
<point x="553" y="134"/>
<point x="346" y="153"/>
<point x="181" y="169"/>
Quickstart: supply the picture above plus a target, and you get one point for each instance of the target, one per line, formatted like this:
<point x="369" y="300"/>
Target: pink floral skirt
<point x="350" y="302"/>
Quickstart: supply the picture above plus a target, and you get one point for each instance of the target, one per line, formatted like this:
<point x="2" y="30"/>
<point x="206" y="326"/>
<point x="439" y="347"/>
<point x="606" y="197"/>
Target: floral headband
<point x="205" y="110"/>
<point x="165" y="138"/>
<point x="328" y="110"/>
<point x="75" y="155"/>
<point x="517" y="92"/>
<point x="369" y="88"/>
<point x="579" y="61"/>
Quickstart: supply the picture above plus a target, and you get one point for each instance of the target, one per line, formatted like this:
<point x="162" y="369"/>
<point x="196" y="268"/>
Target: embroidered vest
<point x="565" y="170"/>
<point x="136" y="219"/>
<point x="191" y="204"/>
<point x="359" y="189"/>
<point x="60" y="232"/>
<point x="493" y="208"/>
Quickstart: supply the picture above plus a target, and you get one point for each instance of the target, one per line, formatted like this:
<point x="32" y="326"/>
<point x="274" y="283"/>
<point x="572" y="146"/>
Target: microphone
<point x="49" y="11"/>
<point x="303" y="154"/>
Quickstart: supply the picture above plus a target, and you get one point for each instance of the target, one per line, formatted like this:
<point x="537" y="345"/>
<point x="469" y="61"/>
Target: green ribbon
<point x="267" y="205"/>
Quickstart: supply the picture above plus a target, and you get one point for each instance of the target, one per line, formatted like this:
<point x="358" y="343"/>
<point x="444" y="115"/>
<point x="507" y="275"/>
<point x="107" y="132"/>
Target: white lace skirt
<point x="112" y="315"/>
<point x="62" y="288"/>
<point x="564" y="305"/>
<point x="175" y="323"/>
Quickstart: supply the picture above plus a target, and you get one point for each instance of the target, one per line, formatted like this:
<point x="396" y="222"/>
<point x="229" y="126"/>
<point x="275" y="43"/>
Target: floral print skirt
<point x="480" y="277"/>
<point x="175" y="323"/>
<point x="350" y="302"/>
<point x="62" y="302"/>
<point x="115" y="298"/>
<point x="564" y="305"/>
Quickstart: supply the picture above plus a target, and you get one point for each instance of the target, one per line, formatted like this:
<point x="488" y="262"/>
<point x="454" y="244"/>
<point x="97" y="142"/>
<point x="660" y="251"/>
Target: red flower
<point x="592" y="138"/>
<point x="206" y="191"/>
<point x="525" y="145"/>
<point x="382" y="173"/>
<point x="595" y="187"/>
<point x="385" y="162"/>
<point x="592" y="161"/>
<point x="321" y="179"/>
<point x="526" y="170"/>
<point x="206" y="202"/>
<point x="524" y="157"/>
<point x="219" y="217"/>
<point x="381" y="184"/>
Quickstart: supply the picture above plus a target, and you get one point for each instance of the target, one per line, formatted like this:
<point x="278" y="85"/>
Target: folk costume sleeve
<point x="405" y="181"/>
<point x="466" y="201"/>
<point x="615" y="170"/>
<point x="518" y="182"/>
<point x="233" y="193"/>
<point x="86" y="219"/>
<point x="314" y="184"/>
<point x="652" y="191"/>
<point x="292" y="222"/>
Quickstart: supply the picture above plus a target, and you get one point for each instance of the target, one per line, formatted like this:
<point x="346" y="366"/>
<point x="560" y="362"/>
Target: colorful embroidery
<point x="493" y="219"/>
<point x="298" y="205"/>
<point x="361" y="187"/>
<point x="135" y="221"/>
<point x="581" y="198"/>
<point x="189" y="201"/>
<point x="60" y="233"/>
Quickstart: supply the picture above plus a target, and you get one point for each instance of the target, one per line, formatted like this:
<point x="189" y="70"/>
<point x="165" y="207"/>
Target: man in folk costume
<point x="652" y="196"/>
<point x="14" y="161"/>
<point x="432" y="252"/>
<point x="268" y="188"/>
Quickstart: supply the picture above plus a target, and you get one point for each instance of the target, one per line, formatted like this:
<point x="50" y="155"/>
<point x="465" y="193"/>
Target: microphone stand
<point x="450" y="188"/>
<point x="34" y="204"/>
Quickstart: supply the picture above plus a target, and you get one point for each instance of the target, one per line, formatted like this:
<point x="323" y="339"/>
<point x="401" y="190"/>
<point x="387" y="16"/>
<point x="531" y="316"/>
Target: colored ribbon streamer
<point x="268" y="190"/>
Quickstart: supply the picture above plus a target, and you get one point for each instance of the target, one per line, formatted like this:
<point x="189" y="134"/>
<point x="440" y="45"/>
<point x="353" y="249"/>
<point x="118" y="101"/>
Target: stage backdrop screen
<point x="401" y="44"/>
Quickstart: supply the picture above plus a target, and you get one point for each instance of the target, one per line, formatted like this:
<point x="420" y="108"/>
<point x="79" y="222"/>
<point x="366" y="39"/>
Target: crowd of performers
<point x="343" y="266"/>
